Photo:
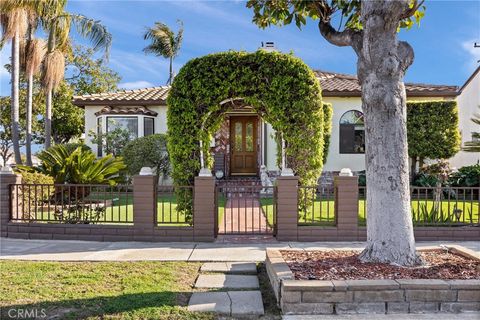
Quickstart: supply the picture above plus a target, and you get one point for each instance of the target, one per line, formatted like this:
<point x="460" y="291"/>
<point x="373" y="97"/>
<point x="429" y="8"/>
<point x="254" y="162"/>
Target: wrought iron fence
<point x="71" y="203"/>
<point x="174" y="205"/>
<point x="245" y="209"/>
<point x="438" y="206"/>
<point x="316" y="205"/>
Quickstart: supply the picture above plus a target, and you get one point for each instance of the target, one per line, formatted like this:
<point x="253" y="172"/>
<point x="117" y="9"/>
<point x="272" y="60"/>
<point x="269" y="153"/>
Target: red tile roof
<point x="333" y="85"/>
<point x="345" y="85"/>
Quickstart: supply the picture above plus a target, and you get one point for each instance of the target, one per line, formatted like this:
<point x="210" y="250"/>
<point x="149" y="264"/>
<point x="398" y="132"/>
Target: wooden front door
<point x="243" y="145"/>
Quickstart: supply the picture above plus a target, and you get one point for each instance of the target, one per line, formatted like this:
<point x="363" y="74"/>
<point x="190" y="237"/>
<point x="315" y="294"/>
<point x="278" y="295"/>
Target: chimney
<point x="268" y="46"/>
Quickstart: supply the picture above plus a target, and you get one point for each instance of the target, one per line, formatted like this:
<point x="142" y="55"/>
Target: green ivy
<point x="279" y="87"/>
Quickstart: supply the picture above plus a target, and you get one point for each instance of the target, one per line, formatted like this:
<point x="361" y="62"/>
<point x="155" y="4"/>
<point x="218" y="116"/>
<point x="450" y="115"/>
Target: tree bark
<point x="28" y="141"/>
<point x="15" y="106"/>
<point x="48" y="120"/>
<point x="382" y="63"/>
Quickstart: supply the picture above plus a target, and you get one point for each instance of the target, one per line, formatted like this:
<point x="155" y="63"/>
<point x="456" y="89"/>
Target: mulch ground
<point x="345" y="265"/>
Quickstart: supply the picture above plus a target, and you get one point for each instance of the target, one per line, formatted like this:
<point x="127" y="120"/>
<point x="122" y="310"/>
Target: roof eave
<point x="409" y="94"/>
<point x="83" y="103"/>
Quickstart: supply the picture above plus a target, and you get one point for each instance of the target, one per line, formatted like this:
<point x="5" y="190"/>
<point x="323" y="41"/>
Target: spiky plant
<point x="164" y="43"/>
<point x="14" y="22"/>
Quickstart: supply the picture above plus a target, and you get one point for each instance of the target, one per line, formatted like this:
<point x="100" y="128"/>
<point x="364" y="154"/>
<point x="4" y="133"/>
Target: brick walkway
<point x="243" y="215"/>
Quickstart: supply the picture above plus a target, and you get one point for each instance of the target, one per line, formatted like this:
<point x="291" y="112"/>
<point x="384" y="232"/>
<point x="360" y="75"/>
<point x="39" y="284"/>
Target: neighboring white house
<point x="144" y="111"/>
<point x="468" y="102"/>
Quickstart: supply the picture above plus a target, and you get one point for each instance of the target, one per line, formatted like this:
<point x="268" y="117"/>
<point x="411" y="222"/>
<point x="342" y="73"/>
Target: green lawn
<point x="99" y="290"/>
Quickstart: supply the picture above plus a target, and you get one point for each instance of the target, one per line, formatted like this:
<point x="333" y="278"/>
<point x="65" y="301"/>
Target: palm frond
<point x="35" y="52"/>
<point x="53" y="70"/>
<point x="96" y="32"/>
<point x="162" y="39"/>
<point x="178" y="39"/>
<point x="14" y="22"/>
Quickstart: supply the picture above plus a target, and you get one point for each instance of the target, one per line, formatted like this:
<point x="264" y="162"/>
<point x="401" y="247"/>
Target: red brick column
<point x="204" y="209"/>
<point x="287" y="208"/>
<point x="144" y="207"/>
<point x="346" y="207"/>
<point x="6" y="179"/>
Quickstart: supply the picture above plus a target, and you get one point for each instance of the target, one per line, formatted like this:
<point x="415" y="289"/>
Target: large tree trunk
<point x="15" y="106"/>
<point x="28" y="142"/>
<point x="48" y="119"/>
<point x="382" y="62"/>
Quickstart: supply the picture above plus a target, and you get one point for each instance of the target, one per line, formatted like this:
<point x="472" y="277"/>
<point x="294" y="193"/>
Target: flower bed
<point x="351" y="287"/>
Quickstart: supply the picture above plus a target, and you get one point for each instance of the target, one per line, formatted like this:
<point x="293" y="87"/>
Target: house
<point x="469" y="103"/>
<point x="144" y="111"/>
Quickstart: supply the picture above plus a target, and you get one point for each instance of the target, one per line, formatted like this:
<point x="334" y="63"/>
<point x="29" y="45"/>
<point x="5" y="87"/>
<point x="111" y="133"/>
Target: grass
<point x="99" y="290"/>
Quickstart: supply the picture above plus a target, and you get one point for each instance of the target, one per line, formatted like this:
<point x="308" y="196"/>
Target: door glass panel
<point x="249" y="137"/>
<point x="238" y="136"/>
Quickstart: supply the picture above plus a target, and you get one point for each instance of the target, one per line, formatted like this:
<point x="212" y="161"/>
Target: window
<point x="99" y="134"/>
<point x="352" y="132"/>
<point x="127" y="123"/>
<point x="148" y="126"/>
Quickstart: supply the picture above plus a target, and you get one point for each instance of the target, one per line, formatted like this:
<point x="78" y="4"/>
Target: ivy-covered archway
<point x="279" y="87"/>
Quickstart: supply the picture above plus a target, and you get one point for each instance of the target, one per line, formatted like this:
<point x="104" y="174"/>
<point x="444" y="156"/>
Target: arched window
<point x="352" y="132"/>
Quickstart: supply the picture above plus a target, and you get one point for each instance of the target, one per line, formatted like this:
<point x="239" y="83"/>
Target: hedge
<point x="432" y="129"/>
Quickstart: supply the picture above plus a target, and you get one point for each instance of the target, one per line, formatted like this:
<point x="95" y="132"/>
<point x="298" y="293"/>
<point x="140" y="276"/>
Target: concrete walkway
<point x="64" y="250"/>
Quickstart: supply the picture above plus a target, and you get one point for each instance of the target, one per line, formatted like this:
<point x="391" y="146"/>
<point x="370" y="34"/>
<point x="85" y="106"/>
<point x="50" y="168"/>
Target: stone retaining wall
<point x="369" y="296"/>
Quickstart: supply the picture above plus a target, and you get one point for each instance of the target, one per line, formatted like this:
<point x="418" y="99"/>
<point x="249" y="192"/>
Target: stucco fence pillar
<point x="6" y="179"/>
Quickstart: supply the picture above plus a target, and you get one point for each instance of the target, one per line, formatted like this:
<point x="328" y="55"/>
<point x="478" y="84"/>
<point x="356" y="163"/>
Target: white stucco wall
<point x="468" y="102"/>
<point x="160" y="122"/>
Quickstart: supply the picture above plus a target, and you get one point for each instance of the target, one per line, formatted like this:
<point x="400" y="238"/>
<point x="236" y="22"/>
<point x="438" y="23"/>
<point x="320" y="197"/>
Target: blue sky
<point x="443" y="44"/>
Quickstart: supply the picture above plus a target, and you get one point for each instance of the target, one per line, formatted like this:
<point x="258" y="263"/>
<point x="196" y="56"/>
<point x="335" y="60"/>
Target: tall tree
<point x="33" y="54"/>
<point x="474" y="145"/>
<point x="58" y="22"/>
<point x="164" y="43"/>
<point x="14" y="23"/>
<point x="371" y="28"/>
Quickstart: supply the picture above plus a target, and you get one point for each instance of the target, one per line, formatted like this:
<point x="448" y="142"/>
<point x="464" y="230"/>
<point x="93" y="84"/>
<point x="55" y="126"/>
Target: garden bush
<point x="467" y="176"/>
<point x="31" y="196"/>
<point x="79" y="166"/>
<point x="149" y="151"/>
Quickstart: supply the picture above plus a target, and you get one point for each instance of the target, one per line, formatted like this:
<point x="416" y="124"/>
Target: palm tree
<point x="164" y="43"/>
<point x="474" y="145"/>
<point x="58" y="24"/>
<point x="33" y="54"/>
<point x="13" y="19"/>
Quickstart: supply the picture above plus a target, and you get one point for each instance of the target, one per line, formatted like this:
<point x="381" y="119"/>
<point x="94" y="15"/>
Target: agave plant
<point x="79" y="166"/>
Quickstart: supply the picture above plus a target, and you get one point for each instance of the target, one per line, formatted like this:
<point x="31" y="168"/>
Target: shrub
<point x="79" y="166"/>
<point x="32" y="196"/>
<point x="468" y="176"/>
<point x="432" y="129"/>
<point x="149" y="151"/>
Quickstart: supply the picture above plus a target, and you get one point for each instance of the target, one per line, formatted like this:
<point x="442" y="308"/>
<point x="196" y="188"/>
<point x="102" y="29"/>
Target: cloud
<point x="135" y="85"/>
<point x="473" y="53"/>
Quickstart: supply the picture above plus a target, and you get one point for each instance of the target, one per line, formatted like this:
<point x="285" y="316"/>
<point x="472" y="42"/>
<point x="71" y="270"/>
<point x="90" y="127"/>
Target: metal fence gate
<point x="245" y="209"/>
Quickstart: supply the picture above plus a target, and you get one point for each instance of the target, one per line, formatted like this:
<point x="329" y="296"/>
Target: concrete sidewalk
<point x="65" y="250"/>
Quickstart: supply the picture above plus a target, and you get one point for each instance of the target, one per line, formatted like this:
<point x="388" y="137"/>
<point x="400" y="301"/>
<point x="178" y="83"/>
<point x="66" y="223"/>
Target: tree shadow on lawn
<point x="147" y="305"/>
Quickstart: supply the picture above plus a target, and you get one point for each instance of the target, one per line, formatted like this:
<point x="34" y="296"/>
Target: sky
<point x="443" y="43"/>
